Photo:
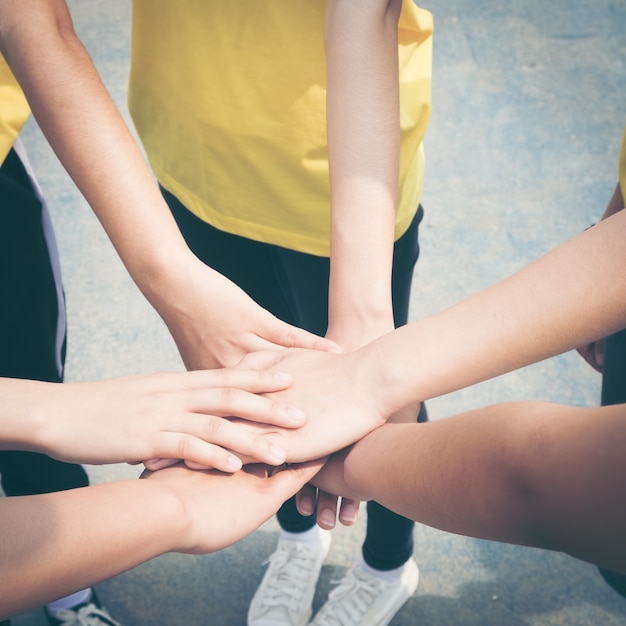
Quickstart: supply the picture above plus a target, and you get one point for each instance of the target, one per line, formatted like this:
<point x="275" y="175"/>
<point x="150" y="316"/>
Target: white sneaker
<point x="365" y="600"/>
<point x="285" y="595"/>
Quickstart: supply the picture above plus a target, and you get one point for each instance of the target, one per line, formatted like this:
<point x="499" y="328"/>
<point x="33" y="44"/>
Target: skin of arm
<point x="363" y="129"/>
<point x="77" y="538"/>
<point x="546" y="308"/>
<point x="167" y="415"/>
<point x="534" y="474"/>
<point x="89" y="136"/>
<point x="593" y="352"/>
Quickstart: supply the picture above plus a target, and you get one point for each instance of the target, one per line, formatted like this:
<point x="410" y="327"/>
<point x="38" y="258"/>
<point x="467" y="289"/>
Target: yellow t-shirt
<point x="14" y="109"/>
<point x="229" y="100"/>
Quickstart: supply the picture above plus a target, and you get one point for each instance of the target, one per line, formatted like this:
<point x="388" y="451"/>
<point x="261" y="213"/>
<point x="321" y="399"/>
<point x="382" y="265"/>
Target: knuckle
<point x="228" y="396"/>
<point x="214" y="428"/>
<point x="185" y="446"/>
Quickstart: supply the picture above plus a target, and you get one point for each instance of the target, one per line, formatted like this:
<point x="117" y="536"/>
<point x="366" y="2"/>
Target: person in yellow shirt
<point x="287" y="139"/>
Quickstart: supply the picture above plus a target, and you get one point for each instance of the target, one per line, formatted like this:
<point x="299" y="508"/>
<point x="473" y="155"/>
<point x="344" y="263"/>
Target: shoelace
<point x="88" y="615"/>
<point x="291" y="569"/>
<point x="356" y="595"/>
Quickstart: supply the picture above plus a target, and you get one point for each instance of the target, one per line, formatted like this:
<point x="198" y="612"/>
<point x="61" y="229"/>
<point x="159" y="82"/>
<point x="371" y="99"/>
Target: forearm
<point x="89" y="136"/>
<point x="363" y="141"/>
<point x="523" y="473"/>
<point x="548" y="307"/>
<point x="45" y="539"/>
<point x="450" y="474"/>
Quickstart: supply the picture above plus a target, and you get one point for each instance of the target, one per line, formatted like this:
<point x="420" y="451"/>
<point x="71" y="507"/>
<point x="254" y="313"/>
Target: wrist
<point x="353" y="329"/>
<point x="168" y="515"/>
<point x="172" y="284"/>
<point x="389" y="385"/>
<point x="25" y="423"/>
<point x="177" y="503"/>
<point x="162" y="274"/>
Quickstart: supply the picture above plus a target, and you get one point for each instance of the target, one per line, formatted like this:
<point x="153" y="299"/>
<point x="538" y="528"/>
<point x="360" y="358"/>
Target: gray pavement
<point x="521" y="155"/>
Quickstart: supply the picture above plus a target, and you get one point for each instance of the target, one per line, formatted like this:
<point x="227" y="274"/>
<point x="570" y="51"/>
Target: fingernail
<point x="277" y="453"/>
<point x="306" y="506"/>
<point x="282" y="377"/>
<point x="295" y="416"/>
<point x="234" y="462"/>
<point x="328" y="517"/>
<point x="348" y="513"/>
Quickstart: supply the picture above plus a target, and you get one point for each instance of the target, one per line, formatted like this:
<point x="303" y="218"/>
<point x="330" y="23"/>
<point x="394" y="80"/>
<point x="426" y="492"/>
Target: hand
<point x="223" y="508"/>
<point x="215" y="323"/>
<point x="167" y="415"/>
<point x="593" y="353"/>
<point x="334" y="391"/>
<point x="355" y="329"/>
<point x="320" y="495"/>
<point x="331" y="481"/>
<point x="309" y="499"/>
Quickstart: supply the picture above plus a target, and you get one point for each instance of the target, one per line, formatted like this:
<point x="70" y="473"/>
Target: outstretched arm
<point x="69" y="540"/>
<point x="546" y="308"/>
<point x="534" y="474"/>
<point x="86" y="131"/>
<point x="572" y="295"/>
<point x="181" y="415"/>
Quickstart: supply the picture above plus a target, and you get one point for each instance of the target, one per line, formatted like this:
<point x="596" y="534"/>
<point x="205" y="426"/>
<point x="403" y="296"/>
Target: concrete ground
<point x="521" y="155"/>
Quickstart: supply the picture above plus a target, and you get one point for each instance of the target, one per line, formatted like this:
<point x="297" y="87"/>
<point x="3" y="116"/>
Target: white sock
<point x="311" y="536"/>
<point x="70" y="601"/>
<point x="388" y="575"/>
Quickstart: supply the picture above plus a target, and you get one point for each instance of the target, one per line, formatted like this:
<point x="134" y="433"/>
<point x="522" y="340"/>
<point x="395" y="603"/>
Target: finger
<point x="326" y="510"/>
<point x="200" y="466"/>
<point x="294" y="337"/>
<point x="348" y="512"/>
<point x="255" y="379"/>
<point x="229" y="402"/>
<point x="261" y="360"/>
<point x="599" y="355"/>
<point x="252" y="377"/>
<point x="290" y="480"/>
<point x="305" y="500"/>
<point x="590" y="354"/>
<point x="157" y="464"/>
<point x="222" y="445"/>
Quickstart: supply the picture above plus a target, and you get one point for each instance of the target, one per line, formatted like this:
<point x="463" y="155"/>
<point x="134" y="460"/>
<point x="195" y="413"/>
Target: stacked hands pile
<point x="272" y="420"/>
<point x="224" y="448"/>
<point x="267" y="409"/>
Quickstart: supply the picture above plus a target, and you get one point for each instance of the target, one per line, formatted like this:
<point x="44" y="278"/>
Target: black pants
<point x="30" y="343"/>
<point x="614" y="392"/>
<point x="294" y="287"/>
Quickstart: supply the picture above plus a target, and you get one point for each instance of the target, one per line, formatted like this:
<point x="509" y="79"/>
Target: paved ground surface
<point x="522" y="150"/>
